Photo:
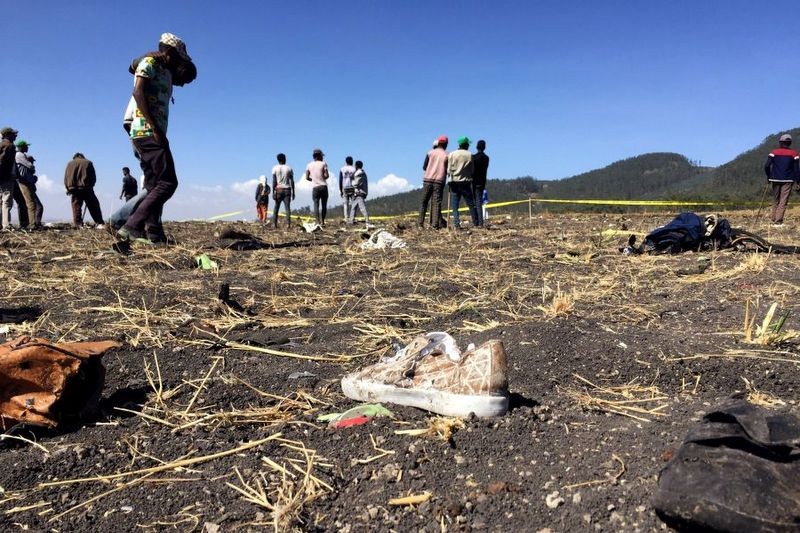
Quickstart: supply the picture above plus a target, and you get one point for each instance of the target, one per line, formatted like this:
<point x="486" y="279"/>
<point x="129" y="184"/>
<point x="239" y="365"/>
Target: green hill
<point x="644" y="177"/>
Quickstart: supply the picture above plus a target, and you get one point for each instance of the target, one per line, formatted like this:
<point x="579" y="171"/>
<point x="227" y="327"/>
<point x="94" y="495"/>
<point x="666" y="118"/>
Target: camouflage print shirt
<point x="158" y="93"/>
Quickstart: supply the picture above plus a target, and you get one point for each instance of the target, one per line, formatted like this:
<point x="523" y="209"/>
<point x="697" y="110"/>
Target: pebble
<point x="553" y="500"/>
<point x="373" y="512"/>
<point x="576" y="498"/>
<point x="587" y="518"/>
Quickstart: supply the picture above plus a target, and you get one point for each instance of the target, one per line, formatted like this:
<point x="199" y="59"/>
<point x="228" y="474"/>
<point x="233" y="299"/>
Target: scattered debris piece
<point x="205" y="262"/>
<point x="361" y="414"/>
<point x="382" y="239"/>
<point x="311" y="227"/>
<point x="42" y="382"/>
<point x="415" y="499"/>
<point x="737" y="470"/>
<point x="425" y="374"/>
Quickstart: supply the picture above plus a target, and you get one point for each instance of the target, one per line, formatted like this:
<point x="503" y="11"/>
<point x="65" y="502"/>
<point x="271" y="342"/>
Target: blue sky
<point x="555" y="88"/>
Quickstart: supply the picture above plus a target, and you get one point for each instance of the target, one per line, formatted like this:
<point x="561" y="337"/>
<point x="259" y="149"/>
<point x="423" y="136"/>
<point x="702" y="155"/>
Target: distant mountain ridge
<point x="652" y="176"/>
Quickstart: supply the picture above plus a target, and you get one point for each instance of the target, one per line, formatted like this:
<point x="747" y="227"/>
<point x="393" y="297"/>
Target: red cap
<point x="443" y="139"/>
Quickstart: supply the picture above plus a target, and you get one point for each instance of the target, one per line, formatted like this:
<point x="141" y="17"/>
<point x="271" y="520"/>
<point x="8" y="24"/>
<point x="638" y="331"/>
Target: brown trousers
<point x="79" y="196"/>
<point x="34" y="205"/>
<point x="780" y="197"/>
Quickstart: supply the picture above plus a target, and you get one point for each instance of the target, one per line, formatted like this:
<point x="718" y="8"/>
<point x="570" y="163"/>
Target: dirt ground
<point x="205" y="425"/>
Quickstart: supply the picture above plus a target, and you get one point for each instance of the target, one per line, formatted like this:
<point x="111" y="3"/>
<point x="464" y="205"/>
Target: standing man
<point x="152" y="91"/>
<point x="480" y="168"/>
<point x="346" y="186"/>
<point x="783" y="169"/>
<point x="317" y="174"/>
<point x="262" y="199"/>
<point x="282" y="190"/>
<point x="435" y="173"/>
<point x="79" y="180"/>
<point x="26" y="180"/>
<point x="459" y="167"/>
<point x="129" y="186"/>
<point x="360" y="190"/>
<point x="8" y="174"/>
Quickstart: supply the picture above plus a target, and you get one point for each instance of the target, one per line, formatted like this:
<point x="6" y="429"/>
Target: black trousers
<point x="477" y="195"/>
<point x="282" y="196"/>
<point x="320" y="196"/>
<point x="431" y="189"/>
<point x="79" y="196"/>
<point x="160" y="180"/>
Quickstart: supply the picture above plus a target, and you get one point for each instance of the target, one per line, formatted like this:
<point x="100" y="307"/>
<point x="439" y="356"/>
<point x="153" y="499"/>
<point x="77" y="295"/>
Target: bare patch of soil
<point x="612" y="359"/>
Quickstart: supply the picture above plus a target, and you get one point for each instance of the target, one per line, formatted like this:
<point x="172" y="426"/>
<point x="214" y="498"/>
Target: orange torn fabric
<point x="40" y="382"/>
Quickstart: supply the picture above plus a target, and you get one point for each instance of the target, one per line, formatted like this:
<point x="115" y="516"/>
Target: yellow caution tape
<point x="225" y="215"/>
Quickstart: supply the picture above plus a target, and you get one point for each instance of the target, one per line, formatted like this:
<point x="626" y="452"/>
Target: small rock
<point x="544" y="530"/>
<point x="611" y="507"/>
<point x="126" y="509"/>
<point x="211" y="527"/>
<point x="576" y="498"/>
<point x="553" y="500"/>
<point x="615" y="517"/>
<point x="373" y="512"/>
<point x="587" y="518"/>
<point x="459" y="459"/>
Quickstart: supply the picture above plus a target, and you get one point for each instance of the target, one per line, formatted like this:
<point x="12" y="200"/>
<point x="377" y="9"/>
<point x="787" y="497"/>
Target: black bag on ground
<point x="738" y="470"/>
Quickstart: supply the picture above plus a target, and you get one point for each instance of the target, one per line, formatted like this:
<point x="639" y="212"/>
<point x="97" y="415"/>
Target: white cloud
<point x="45" y="184"/>
<point x="214" y="189"/>
<point x="389" y="184"/>
<point x="245" y="187"/>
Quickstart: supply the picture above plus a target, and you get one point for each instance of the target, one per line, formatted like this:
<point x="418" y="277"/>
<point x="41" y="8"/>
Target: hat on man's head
<point x="8" y="131"/>
<point x="177" y="43"/>
<point x="786" y="138"/>
<point x="463" y="140"/>
<point x="435" y="143"/>
<point x="317" y="151"/>
<point x="20" y="143"/>
<point x="443" y="139"/>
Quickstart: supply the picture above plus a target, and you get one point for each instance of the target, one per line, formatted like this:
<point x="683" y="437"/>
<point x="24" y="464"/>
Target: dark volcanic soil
<point x="556" y="292"/>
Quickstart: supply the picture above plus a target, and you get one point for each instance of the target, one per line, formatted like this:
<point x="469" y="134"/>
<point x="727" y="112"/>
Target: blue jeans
<point x="458" y="190"/>
<point x="120" y="216"/>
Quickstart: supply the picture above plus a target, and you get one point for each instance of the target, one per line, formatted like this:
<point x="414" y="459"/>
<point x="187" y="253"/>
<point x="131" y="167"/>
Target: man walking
<point x="782" y="169"/>
<point x="480" y="168"/>
<point x="317" y="174"/>
<point x="459" y="167"/>
<point x="282" y="190"/>
<point x="130" y="187"/>
<point x="346" y="186"/>
<point x="435" y="173"/>
<point x="26" y="181"/>
<point x="8" y="174"/>
<point x="79" y="180"/>
<point x="152" y="92"/>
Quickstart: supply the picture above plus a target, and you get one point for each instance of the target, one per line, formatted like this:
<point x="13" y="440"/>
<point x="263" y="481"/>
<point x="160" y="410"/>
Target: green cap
<point x="20" y="143"/>
<point x="463" y="140"/>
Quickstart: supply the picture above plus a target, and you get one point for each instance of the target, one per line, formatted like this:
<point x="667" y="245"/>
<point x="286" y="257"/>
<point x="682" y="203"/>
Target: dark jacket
<point x="262" y="194"/>
<point x="360" y="185"/>
<point x="130" y="187"/>
<point x="782" y="165"/>
<point x="79" y="174"/>
<point x="480" y="167"/>
<point x="8" y="164"/>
